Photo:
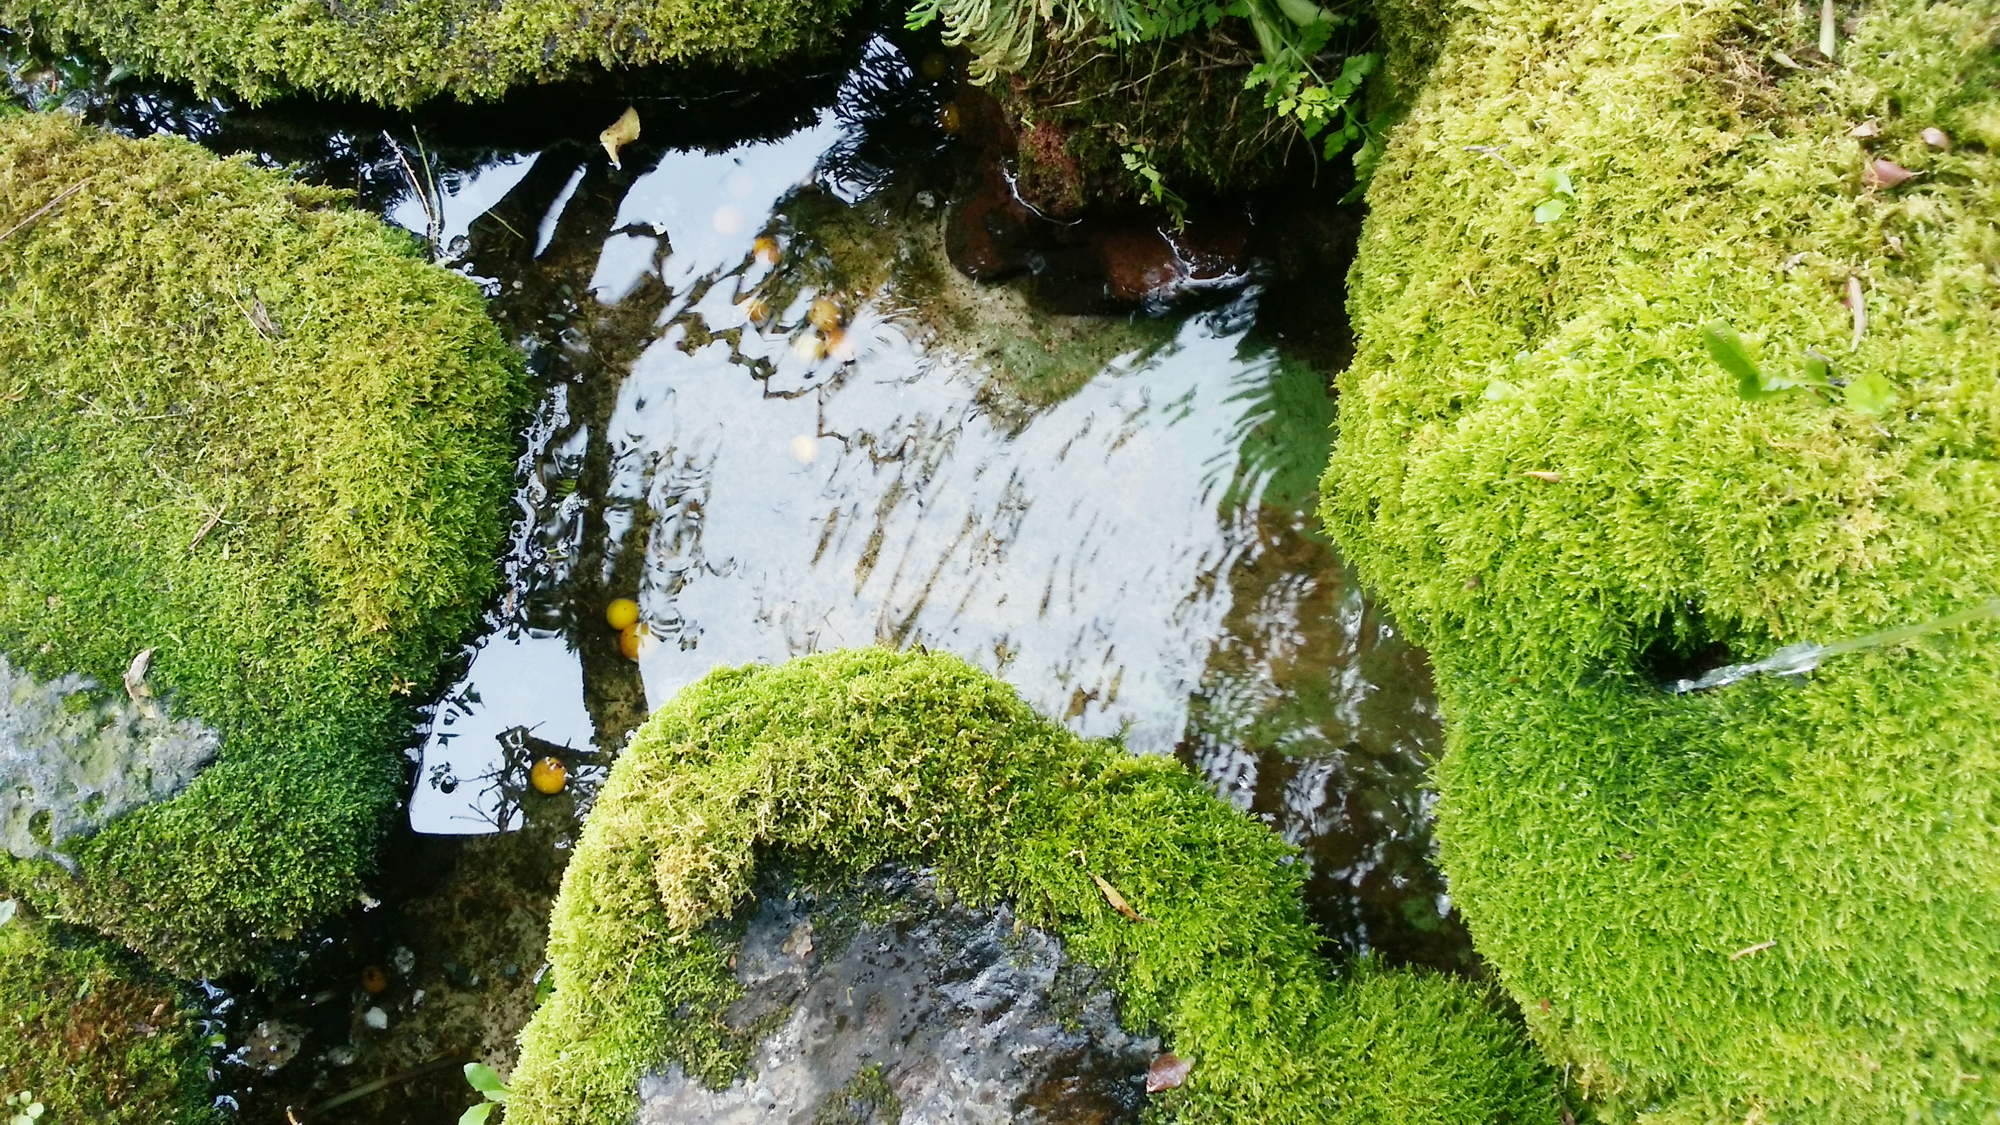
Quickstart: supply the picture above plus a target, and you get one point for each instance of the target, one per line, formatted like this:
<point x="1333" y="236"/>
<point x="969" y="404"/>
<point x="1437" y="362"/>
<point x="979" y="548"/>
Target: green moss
<point x="1624" y="856"/>
<point x="299" y="524"/>
<point x="93" y="1039"/>
<point x="864" y="756"/>
<point x="403" y="53"/>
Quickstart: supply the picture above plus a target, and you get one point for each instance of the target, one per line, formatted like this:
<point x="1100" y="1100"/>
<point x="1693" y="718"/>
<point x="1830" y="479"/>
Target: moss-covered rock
<point x="854" y="758"/>
<point x="401" y="54"/>
<point x="257" y="434"/>
<point x="90" y="1037"/>
<point x="1779" y="901"/>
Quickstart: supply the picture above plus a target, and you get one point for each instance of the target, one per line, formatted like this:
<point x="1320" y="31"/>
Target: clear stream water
<point x="1136" y="556"/>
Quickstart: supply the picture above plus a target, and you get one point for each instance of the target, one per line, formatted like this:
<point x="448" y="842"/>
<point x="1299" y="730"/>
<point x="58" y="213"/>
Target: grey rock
<point x="73" y="757"/>
<point x="886" y="1004"/>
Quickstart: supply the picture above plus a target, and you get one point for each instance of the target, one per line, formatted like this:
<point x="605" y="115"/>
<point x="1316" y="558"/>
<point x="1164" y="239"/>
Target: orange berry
<point x="765" y="250"/>
<point x="548" y="776"/>
<point x="374" y="980"/>
<point x="824" y="314"/>
<point x="628" y="640"/>
<point x="622" y="613"/>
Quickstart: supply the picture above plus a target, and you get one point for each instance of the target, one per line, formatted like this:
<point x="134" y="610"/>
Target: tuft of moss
<point x="1778" y="901"/>
<point x="93" y="1038"/>
<point x="857" y="757"/>
<point x="300" y="518"/>
<point x="401" y="54"/>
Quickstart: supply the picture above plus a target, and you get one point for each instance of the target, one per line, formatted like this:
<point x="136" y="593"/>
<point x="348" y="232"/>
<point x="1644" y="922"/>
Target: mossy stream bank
<point x="670" y="411"/>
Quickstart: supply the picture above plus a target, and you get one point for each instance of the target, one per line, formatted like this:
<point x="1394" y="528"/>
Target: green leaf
<point x="1551" y="209"/>
<point x="1301" y="12"/>
<point x="1871" y="394"/>
<point x="486" y="1080"/>
<point x="1727" y="349"/>
<point x="477" y="1115"/>
<point x="1818" y="368"/>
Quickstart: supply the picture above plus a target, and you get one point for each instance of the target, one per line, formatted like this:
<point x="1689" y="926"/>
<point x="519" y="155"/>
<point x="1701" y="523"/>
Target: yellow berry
<point x="948" y="119"/>
<point x="622" y="613"/>
<point x="765" y="250"/>
<point x="548" y="775"/>
<point x="824" y="314"/>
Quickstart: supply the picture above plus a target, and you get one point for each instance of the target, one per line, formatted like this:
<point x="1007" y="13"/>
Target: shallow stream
<point x="774" y="415"/>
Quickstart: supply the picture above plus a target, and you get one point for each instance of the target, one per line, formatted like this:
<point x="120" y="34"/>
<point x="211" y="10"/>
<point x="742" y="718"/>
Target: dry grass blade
<point x="45" y="208"/>
<point x="1750" y="949"/>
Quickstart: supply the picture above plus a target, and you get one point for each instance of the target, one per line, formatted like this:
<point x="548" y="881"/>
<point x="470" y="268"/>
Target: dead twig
<point x="45" y="208"/>
<point x="416" y="185"/>
<point x="1750" y="949"/>
<point x="214" y="521"/>
<point x="380" y="1084"/>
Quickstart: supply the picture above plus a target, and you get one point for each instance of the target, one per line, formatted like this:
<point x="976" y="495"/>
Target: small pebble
<point x="376" y="1018"/>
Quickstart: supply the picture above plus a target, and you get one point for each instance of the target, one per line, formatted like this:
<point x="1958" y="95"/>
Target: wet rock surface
<point x="891" y="1003"/>
<point x="74" y="755"/>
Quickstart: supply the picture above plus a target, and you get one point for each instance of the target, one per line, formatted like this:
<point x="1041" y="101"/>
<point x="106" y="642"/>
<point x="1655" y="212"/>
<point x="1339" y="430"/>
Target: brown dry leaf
<point x="620" y="133"/>
<point x="1885" y="174"/>
<point x="1549" y="475"/>
<point x="1167" y="1072"/>
<point x="1116" y="900"/>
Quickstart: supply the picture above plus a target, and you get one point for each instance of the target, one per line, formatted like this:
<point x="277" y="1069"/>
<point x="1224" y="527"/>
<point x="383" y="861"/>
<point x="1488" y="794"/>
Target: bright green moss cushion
<point x="863" y="756"/>
<point x="1778" y="901"/>
<point x="403" y="53"/>
<point x="299" y="518"/>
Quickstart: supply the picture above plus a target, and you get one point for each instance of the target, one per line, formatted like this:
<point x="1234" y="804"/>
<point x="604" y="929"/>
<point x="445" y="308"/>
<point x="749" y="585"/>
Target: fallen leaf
<point x="620" y="133"/>
<point x="1549" y="475"/>
<point x="137" y="687"/>
<point x="1116" y="900"/>
<point x="1826" y="36"/>
<point x="1167" y="1072"/>
<point x="1786" y="60"/>
<point x="1885" y="174"/>
<point x="1867" y="130"/>
<point x="1937" y="138"/>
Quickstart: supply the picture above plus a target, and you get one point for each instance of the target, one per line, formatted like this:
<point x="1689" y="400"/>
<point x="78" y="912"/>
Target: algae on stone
<point x="73" y="757"/>
<point x="401" y="54"/>
<point x="254" y="432"/>
<point x="92" y="1038"/>
<point x="1779" y="901"/>
<point x="858" y="757"/>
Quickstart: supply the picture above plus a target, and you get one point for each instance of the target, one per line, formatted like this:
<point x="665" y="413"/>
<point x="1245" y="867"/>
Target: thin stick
<point x="46" y="207"/>
<point x="380" y="1084"/>
<point x="430" y="215"/>
<point x="213" y="520"/>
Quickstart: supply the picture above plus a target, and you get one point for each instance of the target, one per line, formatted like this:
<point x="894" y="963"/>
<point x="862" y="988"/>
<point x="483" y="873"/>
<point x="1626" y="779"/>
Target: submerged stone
<point x="944" y="1011"/>
<point x="73" y="757"/>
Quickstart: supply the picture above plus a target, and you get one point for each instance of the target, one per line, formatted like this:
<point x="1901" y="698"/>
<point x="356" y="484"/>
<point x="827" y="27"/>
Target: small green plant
<point x="23" y="1109"/>
<point x="1871" y="394"/>
<point x="486" y="1080"/>
<point x="1557" y="194"/>
<point x="1139" y="161"/>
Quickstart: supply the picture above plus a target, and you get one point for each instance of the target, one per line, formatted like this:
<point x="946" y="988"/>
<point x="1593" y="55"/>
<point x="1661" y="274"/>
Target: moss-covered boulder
<point x="401" y="54"/>
<point x="255" y="435"/>
<point x="90" y="1037"/>
<point x="854" y="758"/>
<point x="1777" y="901"/>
